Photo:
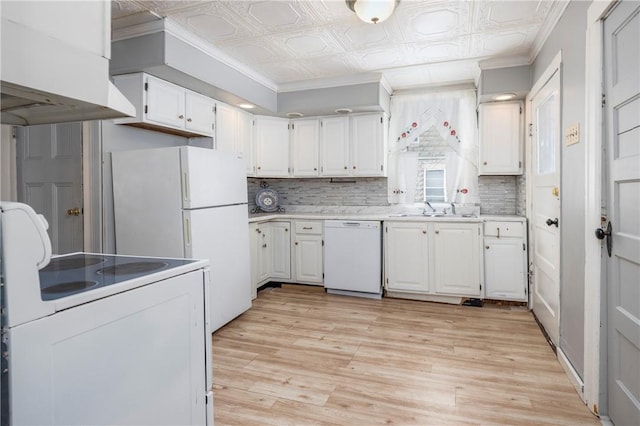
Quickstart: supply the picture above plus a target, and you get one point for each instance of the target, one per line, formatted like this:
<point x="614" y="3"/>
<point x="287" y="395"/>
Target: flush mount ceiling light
<point x="295" y="114"/>
<point x="247" y="106"/>
<point x="504" y="97"/>
<point x="373" y="11"/>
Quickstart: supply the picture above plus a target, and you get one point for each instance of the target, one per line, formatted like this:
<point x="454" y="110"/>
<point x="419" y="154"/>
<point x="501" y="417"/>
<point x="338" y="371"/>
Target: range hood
<point x="57" y="70"/>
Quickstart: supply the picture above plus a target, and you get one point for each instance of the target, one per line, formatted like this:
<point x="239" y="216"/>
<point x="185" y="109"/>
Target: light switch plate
<point x="572" y="134"/>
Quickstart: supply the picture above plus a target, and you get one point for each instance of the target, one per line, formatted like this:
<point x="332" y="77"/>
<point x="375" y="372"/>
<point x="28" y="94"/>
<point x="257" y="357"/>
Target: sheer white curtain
<point x="453" y="114"/>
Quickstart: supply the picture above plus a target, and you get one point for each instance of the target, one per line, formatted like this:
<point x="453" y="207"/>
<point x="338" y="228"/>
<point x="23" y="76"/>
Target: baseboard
<point x="573" y="376"/>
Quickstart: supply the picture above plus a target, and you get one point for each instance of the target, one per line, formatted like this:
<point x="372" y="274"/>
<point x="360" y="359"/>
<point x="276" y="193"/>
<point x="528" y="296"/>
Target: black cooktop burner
<point x="132" y="268"/>
<point x="73" y="262"/>
<point x="73" y="286"/>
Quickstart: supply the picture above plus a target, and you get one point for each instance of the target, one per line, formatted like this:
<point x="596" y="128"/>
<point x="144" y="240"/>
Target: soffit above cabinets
<point x="424" y="43"/>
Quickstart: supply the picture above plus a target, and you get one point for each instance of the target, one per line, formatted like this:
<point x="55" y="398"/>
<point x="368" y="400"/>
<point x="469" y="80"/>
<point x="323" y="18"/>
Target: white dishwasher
<point x="353" y="258"/>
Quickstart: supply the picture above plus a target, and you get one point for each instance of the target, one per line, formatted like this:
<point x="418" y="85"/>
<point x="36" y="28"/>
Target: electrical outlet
<point x="572" y="134"/>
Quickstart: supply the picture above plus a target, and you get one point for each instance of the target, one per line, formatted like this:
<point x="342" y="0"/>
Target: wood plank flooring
<point x="303" y="357"/>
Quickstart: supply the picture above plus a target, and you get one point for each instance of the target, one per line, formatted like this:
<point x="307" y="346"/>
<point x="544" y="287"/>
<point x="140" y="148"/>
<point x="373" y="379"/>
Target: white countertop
<point x="263" y="217"/>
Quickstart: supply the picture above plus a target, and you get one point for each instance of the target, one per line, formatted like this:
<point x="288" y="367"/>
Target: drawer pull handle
<point x="307" y="227"/>
<point x="498" y="232"/>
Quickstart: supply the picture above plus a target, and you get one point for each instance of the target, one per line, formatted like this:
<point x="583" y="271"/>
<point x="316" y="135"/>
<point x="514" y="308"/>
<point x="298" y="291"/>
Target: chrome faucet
<point x="430" y="206"/>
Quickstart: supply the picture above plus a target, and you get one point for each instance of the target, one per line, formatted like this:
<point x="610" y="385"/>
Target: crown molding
<point x="504" y="62"/>
<point x="557" y="10"/>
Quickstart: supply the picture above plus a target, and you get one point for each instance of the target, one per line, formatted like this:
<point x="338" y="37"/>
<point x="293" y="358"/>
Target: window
<point x="435" y="186"/>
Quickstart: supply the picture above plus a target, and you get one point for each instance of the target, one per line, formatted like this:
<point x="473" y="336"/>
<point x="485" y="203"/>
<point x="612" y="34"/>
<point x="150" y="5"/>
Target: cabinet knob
<point x="181" y="116"/>
<point x="189" y="120"/>
<point x="437" y="232"/>
<point x="487" y="247"/>
<point x="485" y="163"/>
<point x="354" y="167"/>
<point x="315" y="169"/>
<point x="258" y="231"/>
<point x="345" y="167"/>
<point x="259" y="167"/>
<point x="286" y="229"/>
<point x="424" y="231"/>
<point x="296" y="243"/>
<point x="264" y="245"/>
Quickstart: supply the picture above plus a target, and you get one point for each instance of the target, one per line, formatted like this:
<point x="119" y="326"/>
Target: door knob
<point x="552" y="222"/>
<point x="73" y="212"/>
<point x="601" y="234"/>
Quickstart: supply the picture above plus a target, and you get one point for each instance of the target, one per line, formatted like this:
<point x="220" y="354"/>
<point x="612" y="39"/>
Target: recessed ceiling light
<point x="343" y="110"/>
<point x="247" y="106"/>
<point x="294" y="114"/>
<point x="504" y="97"/>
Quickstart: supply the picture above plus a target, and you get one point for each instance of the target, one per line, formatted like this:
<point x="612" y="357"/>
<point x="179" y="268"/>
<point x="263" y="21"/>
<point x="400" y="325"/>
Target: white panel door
<point x="305" y="138"/>
<point x="406" y="256"/>
<point x="545" y="216"/>
<point x="50" y="180"/>
<point x="280" y="250"/>
<point x="221" y="236"/>
<point x="366" y="145"/>
<point x="226" y="129"/>
<point x="334" y="146"/>
<point x="622" y="78"/>
<point x="199" y="113"/>
<point x="456" y="258"/>
<point x="272" y="146"/>
<point x="308" y="252"/>
<point x="165" y="102"/>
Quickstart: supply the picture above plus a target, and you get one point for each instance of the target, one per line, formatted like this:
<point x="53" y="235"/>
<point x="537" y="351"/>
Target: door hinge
<point x="213" y="126"/>
<point x="146" y="86"/>
<point x="520" y="164"/>
<point x="146" y="109"/>
<point x="480" y="286"/>
<point x="520" y="110"/>
<point x="380" y="120"/>
<point x="382" y="167"/>
<point x="530" y="129"/>
<point x="322" y="243"/>
<point x="387" y="280"/>
<point x="604" y="99"/>
<point x="386" y="229"/>
<point x="524" y="248"/>
<point x="215" y="108"/>
<point x="323" y="275"/>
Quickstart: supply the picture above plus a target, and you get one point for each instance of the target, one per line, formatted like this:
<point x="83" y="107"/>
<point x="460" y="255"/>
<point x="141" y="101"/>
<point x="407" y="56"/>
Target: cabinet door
<point x="367" y="150"/>
<point x="165" y="103"/>
<point x="280" y="250"/>
<point x="254" y="241"/>
<point x="226" y="129"/>
<point x="305" y="137"/>
<point x="200" y="113"/>
<point x="334" y="146"/>
<point x="263" y="253"/>
<point x="406" y="256"/>
<point x="308" y="258"/>
<point x="456" y="258"/>
<point x="504" y="269"/>
<point x="500" y="150"/>
<point x="245" y="141"/>
<point x="272" y="147"/>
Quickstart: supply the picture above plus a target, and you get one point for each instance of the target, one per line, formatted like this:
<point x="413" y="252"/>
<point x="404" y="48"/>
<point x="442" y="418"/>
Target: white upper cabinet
<point x="234" y="132"/>
<point x="334" y="146"/>
<point x="305" y="138"/>
<point x="272" y="146"/>
<point x="166" y="107"/>
<point x="369" y="145"/>
<point x="500" y="137"/>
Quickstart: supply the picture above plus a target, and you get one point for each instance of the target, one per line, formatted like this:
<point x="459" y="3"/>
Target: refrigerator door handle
<point x="185" y="186"/>
<point x="187" y="232"/>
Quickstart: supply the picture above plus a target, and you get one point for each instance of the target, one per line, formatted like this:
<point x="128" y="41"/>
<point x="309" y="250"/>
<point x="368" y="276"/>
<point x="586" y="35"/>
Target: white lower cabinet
<point x="307" y="254"/>
<point x="505" y="260"/>
<point x="406" y="256"/>
<point x="457" y="261"/>
<point x="438" y="261"/>
<point x="280" y="250"/>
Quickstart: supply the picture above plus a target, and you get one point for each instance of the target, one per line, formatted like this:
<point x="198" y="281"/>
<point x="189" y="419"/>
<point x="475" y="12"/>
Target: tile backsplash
<point x="499" y="195"/>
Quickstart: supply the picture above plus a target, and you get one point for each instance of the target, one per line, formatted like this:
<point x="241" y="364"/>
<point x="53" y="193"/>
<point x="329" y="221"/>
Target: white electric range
<point x="100" y="339"/>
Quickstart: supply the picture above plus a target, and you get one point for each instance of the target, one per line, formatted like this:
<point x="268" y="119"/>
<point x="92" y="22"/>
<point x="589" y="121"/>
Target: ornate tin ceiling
<point x="293" y="42"/>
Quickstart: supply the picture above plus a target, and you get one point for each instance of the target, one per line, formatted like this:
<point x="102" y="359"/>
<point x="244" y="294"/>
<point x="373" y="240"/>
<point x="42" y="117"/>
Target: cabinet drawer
<point x="503" y="229"/>
<point x="309" y="227"/>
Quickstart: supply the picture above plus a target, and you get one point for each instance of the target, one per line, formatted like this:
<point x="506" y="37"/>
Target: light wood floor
<point x="301" y="357"/>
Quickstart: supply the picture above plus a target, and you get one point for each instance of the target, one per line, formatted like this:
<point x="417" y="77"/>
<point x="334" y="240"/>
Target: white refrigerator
<point x="187" y="202"/>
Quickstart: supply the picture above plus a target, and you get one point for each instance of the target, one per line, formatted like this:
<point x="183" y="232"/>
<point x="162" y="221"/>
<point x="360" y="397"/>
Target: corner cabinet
<point x="166" y="107"/>
<point x="234" y="133"/>
<point x="501" y="127"/>
<point x="271" y="136"/>
<point x="505" y="260"/>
